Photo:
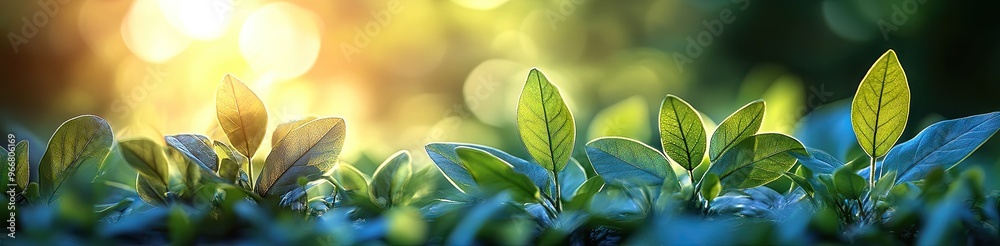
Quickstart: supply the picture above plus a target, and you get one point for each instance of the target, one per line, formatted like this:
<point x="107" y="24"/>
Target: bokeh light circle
<point x="280" y="40"/>
<point x="148" y="34"/>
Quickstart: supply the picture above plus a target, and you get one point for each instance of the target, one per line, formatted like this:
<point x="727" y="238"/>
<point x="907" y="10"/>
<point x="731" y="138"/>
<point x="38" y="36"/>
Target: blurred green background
<point x="407" y="72"/>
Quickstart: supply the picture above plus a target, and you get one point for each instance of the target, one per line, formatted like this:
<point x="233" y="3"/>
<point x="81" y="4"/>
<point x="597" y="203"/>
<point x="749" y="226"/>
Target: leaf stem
<point x="871" y="172"/>
<point x="558" y="197"/>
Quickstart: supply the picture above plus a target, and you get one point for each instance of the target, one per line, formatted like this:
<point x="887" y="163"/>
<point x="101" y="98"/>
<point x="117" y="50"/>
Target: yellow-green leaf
<point x="81" y="142"/>
<point x="495" y="175"/>
<point x="241" y="115"/>
<point x="757" y="160"/>
<point x="881" y="106"/>
<point x="282" y="130"/>
<point x="682" y="133"/>
<point x="545" y="123"/>
<point x="146" y="157"/>
<point x="310" y="149"/>
<point x="387" y="183"/>
<point x="742" y="124"/>
<point x="150" y="191"/>
<point x="23" y="168"/>
<point x="231" y="161"/>
<point x="710" y="187"/>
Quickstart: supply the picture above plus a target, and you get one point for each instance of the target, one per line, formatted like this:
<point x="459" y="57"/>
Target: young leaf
<point x="231" y="162"/>
<point x="881" y="105"/>
<point x="740" y="125"/>
<point x="682" y="133"/>
<point x="622" y="160"/>
<point x="387" y="182"/>
<point x="849" y="184"/>
<point x="311" y="148"/>
<point x="81" y="142"/>
<point x="146" y="157"/>
<point x="628" y="118"/>
<point x="943" y="144"/>
<point x="818" y="162"/>
<point x="757" y="160"/>
<point x="282" y="130"/>
<point x="545" y="123"/>
<point x="241" y="114"/>
<point x="23" y="168"/>
<point x="196" y="148"/>
<point x="445" y="158"/>
<point x="585" y="193"/>
<point x="710" y="187"/>
<point x="801" y="182"/>
<point x="494" y="175"/>
<point x="348" y="178"/>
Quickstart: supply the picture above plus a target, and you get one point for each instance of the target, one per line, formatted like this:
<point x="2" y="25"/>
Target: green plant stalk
<point x="558" y="197"/>
<point x="871" y="173"/>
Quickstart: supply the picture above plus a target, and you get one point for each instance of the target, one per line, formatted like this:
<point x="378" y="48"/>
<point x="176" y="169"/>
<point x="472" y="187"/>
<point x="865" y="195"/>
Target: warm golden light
<point x="280" y="40"/>
<point x="148" y="34"/>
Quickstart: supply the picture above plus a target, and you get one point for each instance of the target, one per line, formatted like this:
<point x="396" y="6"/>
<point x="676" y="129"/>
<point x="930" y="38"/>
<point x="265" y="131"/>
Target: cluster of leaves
<point x="618" y="190"/>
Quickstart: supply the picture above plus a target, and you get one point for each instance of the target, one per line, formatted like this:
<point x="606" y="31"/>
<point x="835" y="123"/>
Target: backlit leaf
<point x="757" y="160"/>
<point x="387" y="182"/>
<point x="310" y="149"/>
<point x="494" y="175"/>
<point x="742" y="124"/>
<point x="282" y="130"/>
<point x="444" y="156"/>
<point x="682" y="133"/>
<point x="146" y="157"/>
<point x="241" y="115"/>
<point x="545" y="123"/>
<point x="81" y="142"/>
<point x="881" y="106"/>
<point x="849" y="183"/>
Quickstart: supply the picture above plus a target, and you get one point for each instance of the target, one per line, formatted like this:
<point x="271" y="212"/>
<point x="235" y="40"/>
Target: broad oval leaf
<point x="445" y="158"/>
<point x="943" y="144"/>
<point x="282" y="130"/>
<point x="710" y="187"/>
<point x="757" y="160"/>
<point x="196" y="148"/>
<point x="585" y="193"/>
<point x="628" y="118"/>
<point x="495" y="175"/>
<point x="818" y="162"/>
<point x="309" y="149"/>
<point x="849" y="184"/>
<point x="241" y="115"/>
<point x="881" y="106"/>
<point x="545" y="123"/>
<point x="147" y="157"/>
<point x="682" y="133"/>
<point x="22" y="168"/>
<point x="387" y="182"/>
<point x="349" y="178"/>
<point x="150" y="191"/>
<point x="81" y="142"/>
<point x="742" y="124"/>
<point x="622" y="160"/>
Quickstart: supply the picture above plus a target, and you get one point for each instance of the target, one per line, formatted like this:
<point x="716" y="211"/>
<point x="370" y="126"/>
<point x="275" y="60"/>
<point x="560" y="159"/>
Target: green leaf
<point x="943" y="144"/>
<point x="585" y="193"/>
<point x="757" y="160"/>
<point x="628" y="118"/>
<point x="22" y="167"/>
<point x="151" y="191"/>
<point x="282" y="130"/>
<point x="146" y="157"/>
<point x="81" y="142"/>
<point x="387" y="183"/>
<point x="231" y="161"/>
<point x="349" y="178"/>
<point x="241" y="114"/>
<point x="801" y="182"/>
<point x="734" y="129"/>
<point x="545" y="123"/>
<point x="710" y="187"/>
<point x="196" y="148"/>
<point x="818" y="162"/>
<point x="682" y="133"/>
<point x="881" y="106"/>
<point x="315" y="148"/>
<point x="495" y="175"/>
<point x="849" y="184"/>
<point x="444" y="156"/>
<point x="622" y="160"/>
<point x="884" y="184"/>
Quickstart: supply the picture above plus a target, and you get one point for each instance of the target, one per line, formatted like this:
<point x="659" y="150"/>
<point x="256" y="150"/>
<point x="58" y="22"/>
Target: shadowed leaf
<point x="146" y="157"/>
<point x="81" y="142"/>
<point x="943" y="144"/>
<point x="494" y="175"/>
<point x="445" y="158"/>
<point x="387" y="183"/>
<point x="622" y="160"/>
<point x="757" y="160"/>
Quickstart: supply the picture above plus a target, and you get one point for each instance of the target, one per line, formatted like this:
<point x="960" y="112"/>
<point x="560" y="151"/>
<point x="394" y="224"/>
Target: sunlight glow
<point x="281" y="40"/>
